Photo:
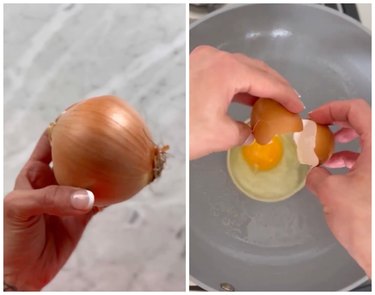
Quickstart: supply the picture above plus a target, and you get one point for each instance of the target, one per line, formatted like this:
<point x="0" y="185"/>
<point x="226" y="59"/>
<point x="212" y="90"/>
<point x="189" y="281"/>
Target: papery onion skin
<point x="103" y="145"/>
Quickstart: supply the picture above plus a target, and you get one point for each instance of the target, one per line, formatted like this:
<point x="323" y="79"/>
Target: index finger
<point x="33" y="168"/>
<point x="356" y="112"/>
<point x="42" y="150"/>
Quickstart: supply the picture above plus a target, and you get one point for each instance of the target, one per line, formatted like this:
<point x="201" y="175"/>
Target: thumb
<point x="238" y="133"/>
<point x="51" y="200"/>
<point x="316" y="178"/>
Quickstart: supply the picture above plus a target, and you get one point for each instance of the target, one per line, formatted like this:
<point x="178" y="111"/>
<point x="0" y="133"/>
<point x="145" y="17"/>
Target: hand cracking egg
<point x="275" y="165"/>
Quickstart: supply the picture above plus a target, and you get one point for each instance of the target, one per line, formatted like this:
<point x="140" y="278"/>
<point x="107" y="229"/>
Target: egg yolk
<point x="263" y="157"/>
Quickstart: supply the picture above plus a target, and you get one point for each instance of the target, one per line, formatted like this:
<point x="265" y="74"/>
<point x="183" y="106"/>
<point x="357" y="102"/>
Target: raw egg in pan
<point x="275" y="165"/>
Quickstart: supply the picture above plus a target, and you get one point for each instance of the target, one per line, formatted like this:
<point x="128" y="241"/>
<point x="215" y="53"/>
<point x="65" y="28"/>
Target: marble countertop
<point x="56" y="55"/>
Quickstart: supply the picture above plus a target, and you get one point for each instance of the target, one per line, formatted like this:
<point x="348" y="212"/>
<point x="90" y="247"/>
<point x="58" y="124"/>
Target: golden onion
<point x="103" y="145"/>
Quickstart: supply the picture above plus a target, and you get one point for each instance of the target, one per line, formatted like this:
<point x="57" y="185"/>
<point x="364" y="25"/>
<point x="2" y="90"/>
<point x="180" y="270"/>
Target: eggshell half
<point x="269" y="118"/>
<point x="305" y="142"/>
<point x="314" y="143"/>
<point x="325" y="143"/>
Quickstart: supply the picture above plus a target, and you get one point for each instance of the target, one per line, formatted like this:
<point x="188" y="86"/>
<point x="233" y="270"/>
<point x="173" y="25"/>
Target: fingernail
<point x="82" y="200"/>
<point x="249" y="140"/>
<point x="299" y="95"/>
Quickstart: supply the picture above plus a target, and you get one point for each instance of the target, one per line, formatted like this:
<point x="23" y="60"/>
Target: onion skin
<point x="103" y="145"/>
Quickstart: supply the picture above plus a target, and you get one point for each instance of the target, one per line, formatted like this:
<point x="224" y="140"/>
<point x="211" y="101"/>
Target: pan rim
<point x="313" y="6"/>
<point x="345" y="289"/>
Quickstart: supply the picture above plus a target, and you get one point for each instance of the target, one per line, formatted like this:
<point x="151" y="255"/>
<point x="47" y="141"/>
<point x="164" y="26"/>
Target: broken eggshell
<point x="314" y="142"/>
<point x="269" y="118"/>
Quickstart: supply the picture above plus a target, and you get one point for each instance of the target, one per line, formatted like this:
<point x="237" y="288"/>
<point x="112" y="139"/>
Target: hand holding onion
<point x="102" y="145"/>
<point x="43" y="222"/>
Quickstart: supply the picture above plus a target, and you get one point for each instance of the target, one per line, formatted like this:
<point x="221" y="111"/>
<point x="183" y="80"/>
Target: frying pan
<point x="237" y="243"/>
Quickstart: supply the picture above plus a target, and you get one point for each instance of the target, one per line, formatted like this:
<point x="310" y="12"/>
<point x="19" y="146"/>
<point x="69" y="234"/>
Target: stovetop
<point x="197" y="11"/>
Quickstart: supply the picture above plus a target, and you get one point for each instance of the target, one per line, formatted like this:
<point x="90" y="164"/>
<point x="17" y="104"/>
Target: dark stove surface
<point x="349" y="9"/>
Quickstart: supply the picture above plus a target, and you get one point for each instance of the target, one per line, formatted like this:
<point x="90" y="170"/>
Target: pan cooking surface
<point x="286" y="245"/>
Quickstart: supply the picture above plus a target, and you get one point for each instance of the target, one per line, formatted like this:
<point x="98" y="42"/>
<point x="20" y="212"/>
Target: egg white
<point x="276" y="184"/>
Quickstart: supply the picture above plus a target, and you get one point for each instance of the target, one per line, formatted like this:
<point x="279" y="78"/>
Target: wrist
<point x="360" y="249"/>
<point x="9" y="288"/>
<point x="12" y="284"/>
<point x="364" y="262"/>
<point x="9" y="280"/>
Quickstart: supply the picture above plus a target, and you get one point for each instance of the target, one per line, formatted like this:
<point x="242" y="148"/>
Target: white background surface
<point x="56" y="55"/>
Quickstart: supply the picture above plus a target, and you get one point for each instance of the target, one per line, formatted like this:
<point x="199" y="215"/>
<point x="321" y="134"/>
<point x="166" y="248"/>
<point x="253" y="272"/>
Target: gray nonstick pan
<point x="237" y="243"/>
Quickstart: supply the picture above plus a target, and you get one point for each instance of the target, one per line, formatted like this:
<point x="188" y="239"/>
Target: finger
<point x="342" y="159"/>
<point x="245" y="98"/>
<point x="315" y="179"/>
<point x="42" y="150"/>
<point x="342" y="124"/>
<point x="358" y="114"/>
<point x="261" y="84"/>
<point x="40" y="156"/>
<point x="52" y="200"/>
<point x="203" y="50"/>
<point x="355" y="111"/>
<point x="345" y="135"/>
<point x="236" y="133"/>
<point x="35" y="175"/>
<point x="261" y="65"/>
